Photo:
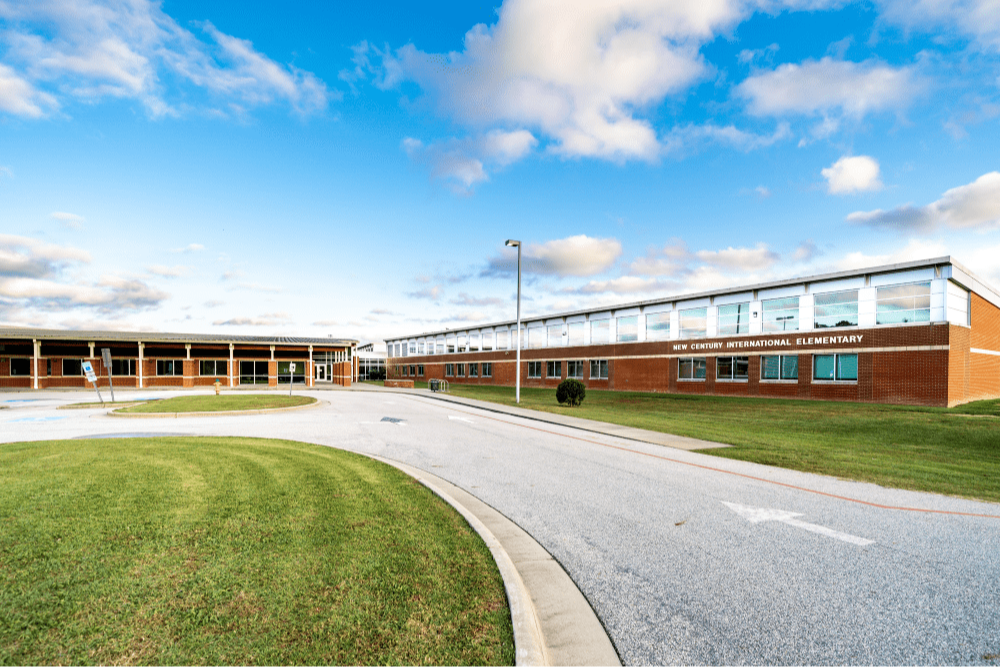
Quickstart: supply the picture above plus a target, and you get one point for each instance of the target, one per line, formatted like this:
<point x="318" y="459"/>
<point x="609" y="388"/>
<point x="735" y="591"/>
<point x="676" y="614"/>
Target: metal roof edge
<point x="166" y="337"/>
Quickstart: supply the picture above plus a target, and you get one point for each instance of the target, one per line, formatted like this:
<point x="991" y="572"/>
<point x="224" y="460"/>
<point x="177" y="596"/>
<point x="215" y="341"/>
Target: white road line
<point x="460" y="419"/>
<point x="761" y="514"/>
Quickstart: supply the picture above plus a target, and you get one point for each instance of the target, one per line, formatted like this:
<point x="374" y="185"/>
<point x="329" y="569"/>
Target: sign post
<point x="88" y="370"/>
<point x="106" y="358"/>
<point x="291" y="377"/>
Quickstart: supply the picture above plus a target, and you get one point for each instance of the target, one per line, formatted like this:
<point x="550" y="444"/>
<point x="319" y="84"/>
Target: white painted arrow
<point x="459" y="419"/>
<point x="760" y="514"/>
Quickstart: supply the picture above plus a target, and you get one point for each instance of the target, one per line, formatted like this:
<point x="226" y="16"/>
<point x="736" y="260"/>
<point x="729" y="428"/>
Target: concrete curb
<point x="568" y="421"/>
<point x="553" y="622"/>
<point x="221" y="413"/>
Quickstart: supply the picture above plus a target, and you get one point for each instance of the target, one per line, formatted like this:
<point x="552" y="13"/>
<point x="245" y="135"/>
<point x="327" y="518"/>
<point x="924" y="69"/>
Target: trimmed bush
<point x="571" y="391"/>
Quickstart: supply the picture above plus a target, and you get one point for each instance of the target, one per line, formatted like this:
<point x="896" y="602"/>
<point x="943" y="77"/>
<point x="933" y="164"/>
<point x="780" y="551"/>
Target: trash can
<point x="434" y="384"/>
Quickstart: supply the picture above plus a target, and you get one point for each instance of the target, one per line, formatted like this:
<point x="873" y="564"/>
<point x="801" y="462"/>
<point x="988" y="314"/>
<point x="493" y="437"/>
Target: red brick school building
<point x="920" y="333"/>
<point x="50" y="359"/>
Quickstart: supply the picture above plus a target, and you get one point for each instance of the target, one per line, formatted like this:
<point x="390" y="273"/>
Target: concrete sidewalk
<point x="589" y="425"/>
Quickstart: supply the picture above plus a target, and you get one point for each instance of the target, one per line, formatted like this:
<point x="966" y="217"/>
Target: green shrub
<point x="571" y="391"/>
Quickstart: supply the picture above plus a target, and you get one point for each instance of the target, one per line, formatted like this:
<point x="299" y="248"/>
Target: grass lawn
<point x="235" y="551"/>
<point x="222" y="402"/>
<point x="949" y="451"/>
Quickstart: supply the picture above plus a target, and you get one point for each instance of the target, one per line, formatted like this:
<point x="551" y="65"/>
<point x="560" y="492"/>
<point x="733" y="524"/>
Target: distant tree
<point x="571" y="391"/>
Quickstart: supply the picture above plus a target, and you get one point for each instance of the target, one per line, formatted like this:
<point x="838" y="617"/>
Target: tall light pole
<point x="511" y="243"/>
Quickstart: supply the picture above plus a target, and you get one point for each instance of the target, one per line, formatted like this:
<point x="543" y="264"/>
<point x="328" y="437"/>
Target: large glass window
<point x="474" y="342"/>
<point x="487" y="340"/>
<point x="72" y="367"/>
<point x="420" y="347"/>
<point x="450" y="345"/>
<point x="599" y="369"/>
<point x="169" y="367"/>
<point x="20" y="366"/>
<point x="734" y="319"/>
<point x="779" y="367"/>
<point x="600" y="331"/>
<point x="575" y="332"/>
<point x="691" y="369"/>
<point x="439" y="347"/>
<point x="253" y="372"/>
<point x="553" y="369"/>
<point x="503" y="338"/>
<point x="732" y="368"/>
<point x="657" y="326"/>
<point x="460" y="368"/>
<point x="693" y="322"/>
<point x="835" y="367"/>
<point x="212" y="367"/>
<point x="123" y="367"/>
<point x="555" y="335"/>
<point x="899" y="304"/>
<point x="473" y="370"/>
<point x="299" y="376"/>
<point x="534" y="369"/>
<point x="487" y="369"/>
<point x="449" y="370"/>
<point x="574" y="369"/>
<point x="536" y="337"/>
<point x="780" y="314"/>
<point x="413" y="347"/>
<point x="836" y="309"/>
<point x="628" y="329"/>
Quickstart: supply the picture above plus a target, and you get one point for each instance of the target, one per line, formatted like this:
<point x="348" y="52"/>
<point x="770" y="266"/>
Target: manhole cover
<point x="393" y="420"/>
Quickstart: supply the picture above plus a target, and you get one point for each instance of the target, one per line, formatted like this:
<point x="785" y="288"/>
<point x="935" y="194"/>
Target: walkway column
<point x="35" y="346"/>
<point x="140" y="364"/>
<point x="310" y="370"/>
<point x="231" y="369"/>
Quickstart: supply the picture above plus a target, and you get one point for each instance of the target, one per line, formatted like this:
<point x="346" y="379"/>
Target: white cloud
<point x="268" y="320"/>
<point x="806" y="252"/>
<point x="462" y="163"/>
<point x="192" y="247"/>
<point x="667" y="261"/>
<point x="978" y="19"/>
<point x="740" y="259"/>
<point x="432" y="293"/>
<point x="828" y="86"/>
<point x="915" y="249"/>
<point x="110" y="294"/>
<point x="89" y="50"/>
<point x="25" y="257"/>
<point x="20" y="98"/>
<point x="168" y="271"/>
<point x="574" y="256"/>
<point x="69" y="220"/>
<point x="623" y="285"/>
<point x="579" y="73"/>
<point x="972" y="206"/>
<point x="859" y="173"/>
<point x="690" y="137"/>
<point x="464" y="299"/>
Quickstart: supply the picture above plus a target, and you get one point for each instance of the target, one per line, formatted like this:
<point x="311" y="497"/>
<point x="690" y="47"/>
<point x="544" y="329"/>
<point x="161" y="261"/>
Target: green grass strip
<point x="235" y="551"/>
<point x="221" y="403"/>
<point x="925" y="449"/>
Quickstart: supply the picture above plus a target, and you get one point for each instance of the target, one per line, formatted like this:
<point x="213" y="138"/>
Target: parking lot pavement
<point x="685" y="558"/>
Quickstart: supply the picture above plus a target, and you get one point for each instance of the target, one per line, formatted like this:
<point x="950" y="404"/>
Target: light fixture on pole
<point x="511" y="243"/>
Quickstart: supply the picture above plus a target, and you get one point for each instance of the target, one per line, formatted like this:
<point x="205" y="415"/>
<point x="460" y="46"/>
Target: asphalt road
<point x="685" y="558"/>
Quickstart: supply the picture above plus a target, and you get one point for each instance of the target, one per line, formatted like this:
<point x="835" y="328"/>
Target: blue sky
<point x="333" y="168"/>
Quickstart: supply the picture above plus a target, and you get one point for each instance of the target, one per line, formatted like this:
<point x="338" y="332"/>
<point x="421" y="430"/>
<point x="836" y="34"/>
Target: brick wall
<point x="983" y="376"/>
<point x="901" y="375"/>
